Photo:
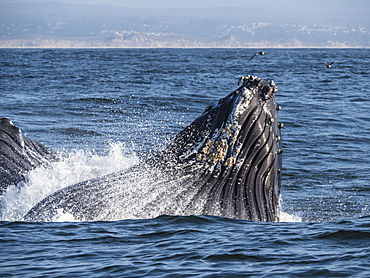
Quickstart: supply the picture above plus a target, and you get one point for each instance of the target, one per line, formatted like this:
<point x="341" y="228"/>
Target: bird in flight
<point x="328" y="65"/>
<point x="257" y="53"/>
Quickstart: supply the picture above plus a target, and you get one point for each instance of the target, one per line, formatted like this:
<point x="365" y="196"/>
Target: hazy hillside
<point x="75" y="25"/>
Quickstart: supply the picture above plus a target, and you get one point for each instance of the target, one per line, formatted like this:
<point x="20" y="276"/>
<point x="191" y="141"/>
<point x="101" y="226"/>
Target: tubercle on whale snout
<point x="218" y="144"/>
<point x="267" y="87"/>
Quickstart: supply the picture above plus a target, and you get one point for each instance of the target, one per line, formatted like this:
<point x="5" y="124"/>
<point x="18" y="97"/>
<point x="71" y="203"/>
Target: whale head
<point x="232" y="153"/>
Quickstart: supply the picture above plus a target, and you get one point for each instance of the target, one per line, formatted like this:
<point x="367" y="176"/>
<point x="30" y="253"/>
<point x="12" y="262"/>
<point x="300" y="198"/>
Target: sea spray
<point x="72" y="168"/>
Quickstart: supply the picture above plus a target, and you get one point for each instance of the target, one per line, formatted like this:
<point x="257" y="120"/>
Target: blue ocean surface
<point x="105" y="110"/>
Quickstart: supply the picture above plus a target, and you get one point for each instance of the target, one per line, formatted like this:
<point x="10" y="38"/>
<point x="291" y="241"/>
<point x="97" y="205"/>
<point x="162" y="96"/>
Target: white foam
<point x="286" y="217"/>
<point x="73" y="168"/>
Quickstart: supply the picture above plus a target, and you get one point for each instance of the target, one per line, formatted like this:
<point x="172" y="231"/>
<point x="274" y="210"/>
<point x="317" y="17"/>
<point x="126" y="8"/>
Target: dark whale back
<point x="227" y="163"/>
<point x="19" y="155"/>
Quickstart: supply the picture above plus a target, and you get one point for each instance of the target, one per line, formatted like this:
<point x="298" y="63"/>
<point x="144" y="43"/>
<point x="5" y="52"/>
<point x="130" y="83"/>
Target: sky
<point x="353" y="12"/>
<point x="268" y="4"/>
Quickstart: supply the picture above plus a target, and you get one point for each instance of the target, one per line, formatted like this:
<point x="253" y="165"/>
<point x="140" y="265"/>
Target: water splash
<point x="286" y="217"/>
<point x="62" y="216"/>
<point x="74" y="167"/>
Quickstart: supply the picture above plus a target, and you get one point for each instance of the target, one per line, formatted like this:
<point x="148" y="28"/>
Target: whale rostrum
<point x="227" y="163"/>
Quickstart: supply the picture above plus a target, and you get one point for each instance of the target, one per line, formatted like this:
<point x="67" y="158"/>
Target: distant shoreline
<point x="177" y="47"/>
<point x="48" y="24"/>
<point x="91" y="43"/>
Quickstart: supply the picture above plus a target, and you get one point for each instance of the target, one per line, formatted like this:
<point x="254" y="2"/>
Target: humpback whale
<point x="227" y="163"/>
<point x="19" y="155"/>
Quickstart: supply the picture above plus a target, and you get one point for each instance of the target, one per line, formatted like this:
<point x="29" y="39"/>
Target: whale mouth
<point x="227" y="163"/>
<point x="233" y="150"/>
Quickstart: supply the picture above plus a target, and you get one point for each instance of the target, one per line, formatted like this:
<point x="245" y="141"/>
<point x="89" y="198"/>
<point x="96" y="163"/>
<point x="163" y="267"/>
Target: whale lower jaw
<point x="227" y="162"/>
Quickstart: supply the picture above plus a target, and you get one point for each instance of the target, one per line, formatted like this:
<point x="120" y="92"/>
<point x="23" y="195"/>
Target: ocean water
<point x="107" y="109"/>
